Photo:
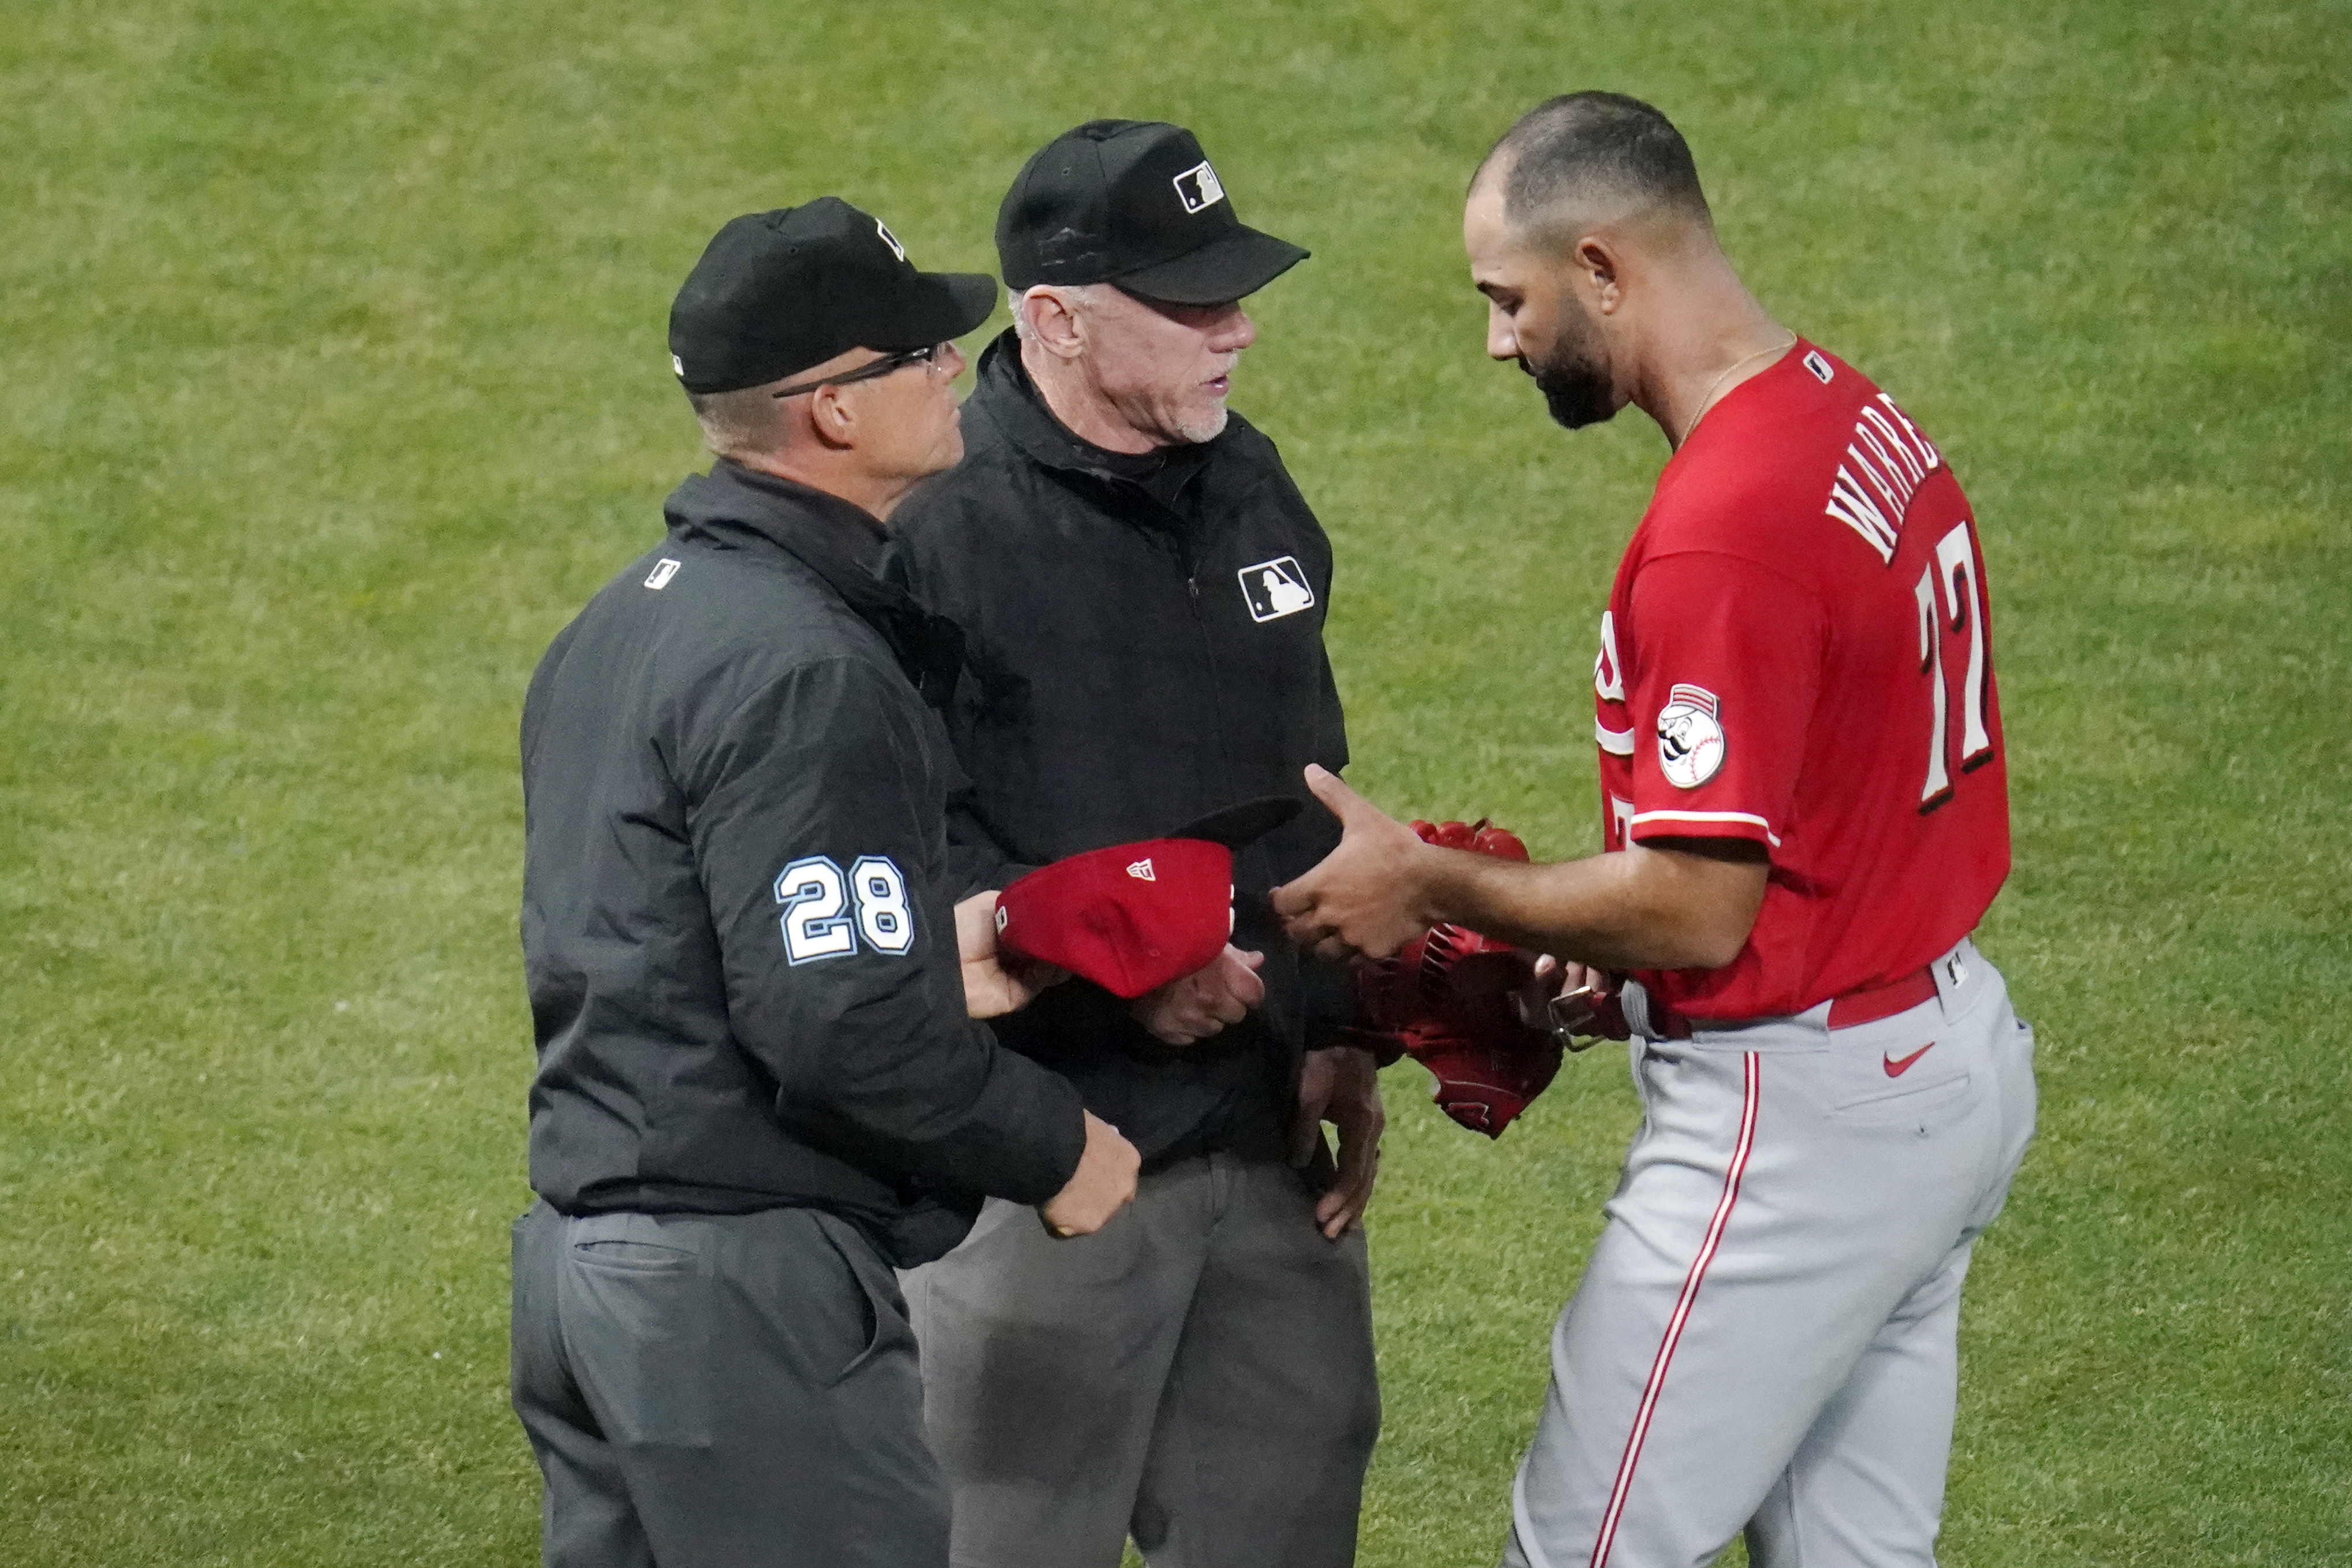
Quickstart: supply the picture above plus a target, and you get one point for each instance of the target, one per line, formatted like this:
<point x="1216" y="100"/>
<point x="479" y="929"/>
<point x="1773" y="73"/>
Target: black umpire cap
<point x="778" y="292"/>
<point x="1134" y="203"/>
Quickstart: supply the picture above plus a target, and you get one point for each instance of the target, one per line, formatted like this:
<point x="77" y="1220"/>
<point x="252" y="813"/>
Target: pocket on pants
<point x="635" y="1257"/>
<point x="885" y="1325"/>
<point x="1926" y="1106"/>
<point x="637" y="1318"/>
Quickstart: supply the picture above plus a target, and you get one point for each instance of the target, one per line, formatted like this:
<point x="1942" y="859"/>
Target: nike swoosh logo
<point x="1896" y="1066"/>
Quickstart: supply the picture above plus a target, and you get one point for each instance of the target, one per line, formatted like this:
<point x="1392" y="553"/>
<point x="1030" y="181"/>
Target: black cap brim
<point x="1238" y="827"/>
<point x="953" y="303"/>
<point x="1240" y="263"/>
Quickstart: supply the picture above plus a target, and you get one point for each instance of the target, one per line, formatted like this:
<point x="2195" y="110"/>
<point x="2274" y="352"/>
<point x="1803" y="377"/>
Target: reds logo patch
<point x="1690" y="737"/>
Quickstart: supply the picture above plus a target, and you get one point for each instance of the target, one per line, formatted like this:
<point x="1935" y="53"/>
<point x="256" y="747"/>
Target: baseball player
<point x="1806" y="811"/>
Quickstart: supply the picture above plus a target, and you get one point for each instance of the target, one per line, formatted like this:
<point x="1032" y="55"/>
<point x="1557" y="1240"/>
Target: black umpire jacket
<point x="1144" y="645"/>
<point x="737" y="915"/>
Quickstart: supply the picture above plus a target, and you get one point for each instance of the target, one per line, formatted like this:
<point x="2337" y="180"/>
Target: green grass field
<point x="335" y="383"/>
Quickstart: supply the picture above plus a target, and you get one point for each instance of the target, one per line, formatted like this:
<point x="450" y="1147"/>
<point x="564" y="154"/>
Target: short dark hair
<point x="1587" y="144"/>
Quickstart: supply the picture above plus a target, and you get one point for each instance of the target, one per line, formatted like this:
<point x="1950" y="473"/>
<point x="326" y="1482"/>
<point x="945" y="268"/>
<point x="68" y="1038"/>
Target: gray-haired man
<point x="1141" y="589"/>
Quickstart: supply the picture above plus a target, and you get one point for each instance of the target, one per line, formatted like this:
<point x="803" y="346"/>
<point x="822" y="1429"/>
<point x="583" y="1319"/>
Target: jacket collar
<point x="840" y="542"/>
<point x="1013" y="400"/>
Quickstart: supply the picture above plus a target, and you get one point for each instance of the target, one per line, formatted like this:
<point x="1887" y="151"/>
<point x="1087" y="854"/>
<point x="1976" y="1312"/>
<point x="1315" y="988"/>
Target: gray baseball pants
<point x="1766" y="1335"/>
<point x="721" y="1391"/>
<point x="1198" y="1374"/>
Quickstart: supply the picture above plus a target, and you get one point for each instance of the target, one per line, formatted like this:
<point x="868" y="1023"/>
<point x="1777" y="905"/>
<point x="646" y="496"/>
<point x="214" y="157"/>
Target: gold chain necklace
<point x="1707" y="400"/>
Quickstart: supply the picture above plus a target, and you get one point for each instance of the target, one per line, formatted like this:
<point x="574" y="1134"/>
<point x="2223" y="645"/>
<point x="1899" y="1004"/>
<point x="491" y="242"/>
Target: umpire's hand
<point x="1103" y="1184"/>
<point x="1340" y="1084"/>
<point x="1195" y="1006"/>
<point x="990" y="988"/>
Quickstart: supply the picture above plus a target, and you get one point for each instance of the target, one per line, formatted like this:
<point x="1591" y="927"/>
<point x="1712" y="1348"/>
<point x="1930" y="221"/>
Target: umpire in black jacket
<point x="1142" y="591"/>
<point x="758" y="1088"/>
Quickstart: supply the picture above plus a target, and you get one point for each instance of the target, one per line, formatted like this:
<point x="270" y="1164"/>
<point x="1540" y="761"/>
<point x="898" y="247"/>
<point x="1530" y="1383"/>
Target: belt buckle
<point x="1569" y="1013"/>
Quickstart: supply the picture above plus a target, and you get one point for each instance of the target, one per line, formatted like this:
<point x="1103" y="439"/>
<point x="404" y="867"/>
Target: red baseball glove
<point x="1444" y="999"/>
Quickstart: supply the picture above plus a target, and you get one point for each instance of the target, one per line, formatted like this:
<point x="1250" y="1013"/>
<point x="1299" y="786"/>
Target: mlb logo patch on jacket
<point x="1277" y="588"/>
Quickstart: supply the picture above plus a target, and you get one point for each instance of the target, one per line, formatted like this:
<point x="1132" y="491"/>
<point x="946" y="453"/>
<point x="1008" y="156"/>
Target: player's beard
<point x="1574" y="377"/>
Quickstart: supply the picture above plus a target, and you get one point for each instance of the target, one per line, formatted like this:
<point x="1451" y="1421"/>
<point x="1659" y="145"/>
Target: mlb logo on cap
<point x="1130" y="917"/>
<point x="1197" y="187"/>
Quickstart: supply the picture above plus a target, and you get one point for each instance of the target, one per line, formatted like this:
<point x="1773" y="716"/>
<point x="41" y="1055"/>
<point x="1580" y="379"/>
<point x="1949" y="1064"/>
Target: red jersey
<point x="1797" y="650"/>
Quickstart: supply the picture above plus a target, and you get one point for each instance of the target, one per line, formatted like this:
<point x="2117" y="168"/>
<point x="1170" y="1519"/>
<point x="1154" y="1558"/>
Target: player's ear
<point x="1595" y="266"/>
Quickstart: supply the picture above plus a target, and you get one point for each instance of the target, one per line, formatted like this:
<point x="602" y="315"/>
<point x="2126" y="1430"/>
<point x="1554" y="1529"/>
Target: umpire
<point x="758" y="1088"/>
<point x="1142" y="588"/>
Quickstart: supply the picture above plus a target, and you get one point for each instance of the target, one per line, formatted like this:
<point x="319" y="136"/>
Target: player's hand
<point x="1194" y="1007"/>
<point x="1340" y="1085"/>
<point x="994" y="982"/>
<point x="1362" y="899"/>
<point x="1585" y="989"/>
<point x="1576" y="1002"/>
<point x="1103" y="1184"/>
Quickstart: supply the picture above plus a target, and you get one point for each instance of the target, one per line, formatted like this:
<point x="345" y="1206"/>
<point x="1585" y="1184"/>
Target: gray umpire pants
<point x="1198" y="1374"/>
<point x="1766" y="1335"/>
<point x="721" y="1391"/>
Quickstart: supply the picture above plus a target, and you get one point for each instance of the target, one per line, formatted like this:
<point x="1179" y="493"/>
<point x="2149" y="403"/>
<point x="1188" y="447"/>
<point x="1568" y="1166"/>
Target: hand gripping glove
<point x="1444" y="999"/>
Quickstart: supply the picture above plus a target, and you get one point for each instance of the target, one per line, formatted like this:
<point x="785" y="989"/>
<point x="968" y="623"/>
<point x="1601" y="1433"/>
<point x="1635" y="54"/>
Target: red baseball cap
<point x="1130" y="917"/>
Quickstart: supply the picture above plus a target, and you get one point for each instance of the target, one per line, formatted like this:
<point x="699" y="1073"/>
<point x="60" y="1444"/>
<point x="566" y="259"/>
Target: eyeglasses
<point x="881" y="367"/>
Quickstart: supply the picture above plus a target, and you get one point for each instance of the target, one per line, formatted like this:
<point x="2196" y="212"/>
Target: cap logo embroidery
<point x="1141" y="871"/>
<point x="889" y="239"/>
<point x="664" y="569"/>
<point x="1198" y="189"/>
<point x="1277" y="588"/>
<point x="677" y="367"/>
<point x="1690" y="737"/>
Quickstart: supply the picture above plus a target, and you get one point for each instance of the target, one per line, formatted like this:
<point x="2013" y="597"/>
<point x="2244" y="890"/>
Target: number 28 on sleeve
<point x="827" y="912"/>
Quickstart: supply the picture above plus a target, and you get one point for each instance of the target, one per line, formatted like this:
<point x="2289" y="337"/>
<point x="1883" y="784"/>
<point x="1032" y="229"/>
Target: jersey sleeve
<point x="1722" y="677"/>
<point x="817" y="837"/>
